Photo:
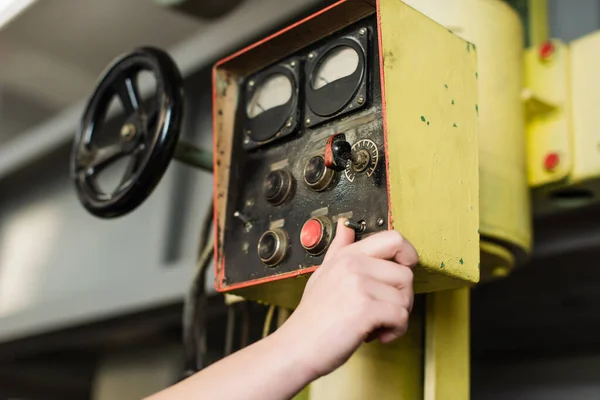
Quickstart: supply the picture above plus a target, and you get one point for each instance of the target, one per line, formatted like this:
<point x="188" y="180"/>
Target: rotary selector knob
<point x="277" y="186"/>
<point x="316" y="174"/>
<point x="316" y="234"/>
<point x="273" y="246"/>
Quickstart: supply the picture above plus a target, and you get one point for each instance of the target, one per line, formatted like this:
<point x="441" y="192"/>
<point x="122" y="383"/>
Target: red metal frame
<point x="220" y="275"/>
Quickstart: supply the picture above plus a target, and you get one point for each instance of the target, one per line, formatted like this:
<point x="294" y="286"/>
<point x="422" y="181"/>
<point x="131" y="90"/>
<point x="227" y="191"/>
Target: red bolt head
<point x="547" y="50"/>
<point x="551" y="161"/>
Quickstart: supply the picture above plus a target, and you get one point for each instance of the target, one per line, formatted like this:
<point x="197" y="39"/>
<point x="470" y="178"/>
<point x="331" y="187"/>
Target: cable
<point x="268" y="320"/>
<point x="230" y="329"/>
<point x="195" y="305"/>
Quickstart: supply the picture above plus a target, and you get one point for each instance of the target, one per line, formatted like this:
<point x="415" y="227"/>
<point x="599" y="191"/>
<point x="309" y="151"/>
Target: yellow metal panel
<point x="447" y="358"/>
<point x="504" y="194"/>
<point x="549" y="117"/>
<point x="585" y="62"/>
<point x="379" y="372"/>
<point x="430" y="81"/>
<point x="538" y="21"/>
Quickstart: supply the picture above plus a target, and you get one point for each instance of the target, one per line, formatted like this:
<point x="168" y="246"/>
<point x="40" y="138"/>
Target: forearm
<point x="270" y="369"/>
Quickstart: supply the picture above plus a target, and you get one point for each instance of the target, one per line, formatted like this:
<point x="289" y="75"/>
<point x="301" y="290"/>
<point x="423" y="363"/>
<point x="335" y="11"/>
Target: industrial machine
<point x="364" y="110"/>
<point x="563" y="148"/>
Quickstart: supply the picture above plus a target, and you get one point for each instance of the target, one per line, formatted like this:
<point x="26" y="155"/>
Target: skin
<point x="362" y="291"/>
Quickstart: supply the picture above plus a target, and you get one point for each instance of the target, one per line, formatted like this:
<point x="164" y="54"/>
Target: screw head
<point x="362" y="31"/>
<point x="245" y="247"/>
<point x="311" y="56"/>
<point x="360" y="100"/>
<point x="128" y="131"/>
<point x="293" y="63"/>
<point x="289" y="124"/>
<point x="248" y="132"/>
<point x="547" y="51"/>
<point x="246" y="141"/>
<point x="551" y="161"/>
<point x="251" y="83"/>
<point x="380" y="221"/>
<point x="249" y="203"/>
<point x="307" y="121"/>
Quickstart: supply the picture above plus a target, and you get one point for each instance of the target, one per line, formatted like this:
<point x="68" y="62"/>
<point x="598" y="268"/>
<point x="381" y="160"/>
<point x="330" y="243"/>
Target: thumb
<point x="344" y="236"/>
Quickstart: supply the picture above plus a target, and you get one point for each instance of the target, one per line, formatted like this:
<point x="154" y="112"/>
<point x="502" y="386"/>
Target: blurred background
<point x="87" y="303"/>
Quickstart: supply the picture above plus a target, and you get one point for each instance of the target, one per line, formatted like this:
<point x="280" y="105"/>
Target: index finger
<point x="388" y="245"/>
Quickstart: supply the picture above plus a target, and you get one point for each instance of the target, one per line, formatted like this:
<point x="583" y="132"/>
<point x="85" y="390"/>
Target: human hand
<point x="363" y="289"/>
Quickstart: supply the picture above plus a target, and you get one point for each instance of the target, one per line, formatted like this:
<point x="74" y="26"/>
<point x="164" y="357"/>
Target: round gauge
<point x="274" y="91"/>
<point x="367" y="157"/>
<point x="271" y="104"/>
<point x="335" y="76"/>
<point x="339" y="63"/>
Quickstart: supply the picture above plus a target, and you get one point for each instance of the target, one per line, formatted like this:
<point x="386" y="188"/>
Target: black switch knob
<point x="337" y="152"/>
<point x="277" y="186"/>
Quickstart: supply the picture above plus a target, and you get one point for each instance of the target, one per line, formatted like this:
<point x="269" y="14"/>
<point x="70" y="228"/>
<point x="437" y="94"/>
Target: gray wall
<point x="61" y="266"/>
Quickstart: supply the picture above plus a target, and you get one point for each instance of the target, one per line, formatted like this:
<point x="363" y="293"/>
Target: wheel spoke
<point x="128" y="93"/>
<point x="103" y="156"/>
<point x="132" y="167"/>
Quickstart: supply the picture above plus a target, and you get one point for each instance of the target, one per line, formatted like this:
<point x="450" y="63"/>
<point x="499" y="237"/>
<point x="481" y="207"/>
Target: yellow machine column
<point x="495" y="28"/>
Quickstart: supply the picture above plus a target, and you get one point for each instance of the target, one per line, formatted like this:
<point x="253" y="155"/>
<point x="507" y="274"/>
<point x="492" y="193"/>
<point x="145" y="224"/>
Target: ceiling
<point x="53" y="53"/>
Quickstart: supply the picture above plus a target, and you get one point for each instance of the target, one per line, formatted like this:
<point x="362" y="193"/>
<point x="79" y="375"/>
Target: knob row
<point x="277" y="185"/>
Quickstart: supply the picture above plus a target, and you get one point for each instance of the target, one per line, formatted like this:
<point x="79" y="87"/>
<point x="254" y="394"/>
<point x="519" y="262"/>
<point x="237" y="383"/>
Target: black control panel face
<point x="292" y="174"/>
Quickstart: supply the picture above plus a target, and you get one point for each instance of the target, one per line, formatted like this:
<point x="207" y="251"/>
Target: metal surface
<point x="495" y="28"/>
<point x="193" y="156"/>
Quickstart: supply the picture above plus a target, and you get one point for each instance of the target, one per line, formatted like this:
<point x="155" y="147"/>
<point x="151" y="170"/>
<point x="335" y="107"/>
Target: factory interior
<point x="172" y="172"/>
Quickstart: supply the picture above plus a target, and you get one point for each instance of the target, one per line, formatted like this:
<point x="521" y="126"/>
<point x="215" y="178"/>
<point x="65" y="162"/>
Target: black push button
<point x="277" y="186"/>
<point x="273" y="247"/>
<point x="317" y="175"/>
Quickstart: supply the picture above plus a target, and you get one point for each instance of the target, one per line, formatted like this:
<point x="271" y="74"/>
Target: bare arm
<point x="362" y="288"/>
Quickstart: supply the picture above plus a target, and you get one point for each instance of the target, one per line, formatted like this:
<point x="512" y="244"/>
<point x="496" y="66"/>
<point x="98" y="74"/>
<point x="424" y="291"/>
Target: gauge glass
<point x="275" y="91"/>
<point x="339" y="63"/>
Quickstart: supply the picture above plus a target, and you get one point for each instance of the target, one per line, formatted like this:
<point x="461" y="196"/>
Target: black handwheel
<point x="148" y="136"/>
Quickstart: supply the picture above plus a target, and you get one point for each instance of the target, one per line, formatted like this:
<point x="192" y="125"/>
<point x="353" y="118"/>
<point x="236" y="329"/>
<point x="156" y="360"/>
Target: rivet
<point x="547" y="51"/>
<point x="362" y="31"/>
<point x="551" y="161"/>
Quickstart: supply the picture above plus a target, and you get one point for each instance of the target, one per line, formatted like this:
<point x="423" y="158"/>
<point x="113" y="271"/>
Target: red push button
<point x="312" y="233"/>
<point x="316" y="234"/>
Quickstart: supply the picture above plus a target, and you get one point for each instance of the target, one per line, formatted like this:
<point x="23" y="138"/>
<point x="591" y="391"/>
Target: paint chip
<point x="423" y="118"/>
<point x="442" y="266"/>
<point x="461" y="261"/>
<point x="452" y="102"/>
<point x="446" y="85"/>
<point x="427" y="122"/>
<point x="477" y="109"/>
<point x="455" y="125"/>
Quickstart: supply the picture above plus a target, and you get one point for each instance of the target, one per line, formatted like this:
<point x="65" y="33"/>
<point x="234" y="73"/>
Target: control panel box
<point x="365" y="111"/>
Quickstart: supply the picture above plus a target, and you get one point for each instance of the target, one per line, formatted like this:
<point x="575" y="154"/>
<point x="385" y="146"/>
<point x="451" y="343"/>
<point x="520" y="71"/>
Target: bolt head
<point x="380" y="221"/>
<point x="547" y="51"/>
<point x="551" y="161"/>
<point x="362" y="31"/>
<point x="128" y="131"/>
<point x="360" y="100"/>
